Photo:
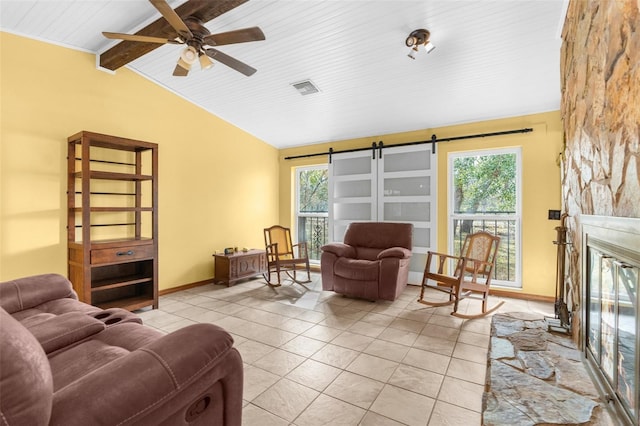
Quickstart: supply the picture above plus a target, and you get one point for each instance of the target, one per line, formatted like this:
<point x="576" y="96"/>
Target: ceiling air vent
<point x="305" y="87"/>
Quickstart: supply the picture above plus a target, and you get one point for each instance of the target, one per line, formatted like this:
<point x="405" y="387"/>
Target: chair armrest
<point x="397" y="252"/>
<point x="340" y="250"/>
<point x="28" y="292"/>
<point x="155" y="375"/>
<point x="302" y="249"/>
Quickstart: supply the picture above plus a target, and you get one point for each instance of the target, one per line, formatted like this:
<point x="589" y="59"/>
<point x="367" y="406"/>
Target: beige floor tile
<point x="170" y="306"/>
<point x="354" y="389"/>
<point x="445" y="321"/>
<point x="467" y="370"/>
<point x="264" y="334"/>
<point x="481" y="326"/>
<point x="363" y="305"/>
<point x="296" y="326"/>
<point x="326" y="410"/>
<point x="256" y="381"/>
<point x="451" y="415"/>
<point x="279" y="362"/>
<point x="321" y="332"/>
<point x="475" y="339"/>
<point x="350" y="312"/>
<point x="387" y="310"/>
<point x="418" y="314"/>
<point x="417" y="380"/>
<point x="373" y="367"/>
<point x="441" y="332"/>
<point x="407" y="325"/>
<point x="170" y="328"/>
<point x="435" y="344"/>
<point x="256" y="416"/>
<point x="427" y="360"/>
<point x="403" y="406"/>
<point x="229" y="308"/>
<point x="158" y="318"/>
<point x="261" y="317"/>
<point x="302" y="345"/>
<point x="420" y="352"/>
<point x="367" y="329"/>
<point x="461" y="393"/>
<point x="378" y="319"/>
<point x="286" y="399"/>
<point x="470" y="353"/>
<point x="336" y="356"/>
<point x="387" y="350"/>
<point x="338" y="322"/>
<point x="401" y="337"/>
<point x="375" y="419"/>
<point x="251" y="350"/>
<point x="314" y="374"/>
<point x="357" y="342"/>
<point x="311" y="316"/>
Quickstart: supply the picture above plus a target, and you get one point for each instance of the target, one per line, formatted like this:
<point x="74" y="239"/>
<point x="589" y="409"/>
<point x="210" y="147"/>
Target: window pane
<point x="312" y="209"/>
<point x="485" y="184"/>
<point x="313" y="191"/>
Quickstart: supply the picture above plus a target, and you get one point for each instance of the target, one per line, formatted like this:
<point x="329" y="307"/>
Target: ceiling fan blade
<point x="238" y="36"/>
<point x="141" y="38"/>
<point x="230" y="62"/>
<point x="172" y="18"/>
<point x="180" y="70"/>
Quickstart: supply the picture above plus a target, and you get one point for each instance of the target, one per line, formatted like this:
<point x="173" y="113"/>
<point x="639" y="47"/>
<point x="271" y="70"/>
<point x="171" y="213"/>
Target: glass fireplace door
<point x="612" y="324"/>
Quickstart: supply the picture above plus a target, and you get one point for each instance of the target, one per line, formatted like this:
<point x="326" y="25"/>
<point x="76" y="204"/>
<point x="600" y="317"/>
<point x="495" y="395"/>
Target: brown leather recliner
<point x="63" y="362"/>
<point x="372" y="263"/>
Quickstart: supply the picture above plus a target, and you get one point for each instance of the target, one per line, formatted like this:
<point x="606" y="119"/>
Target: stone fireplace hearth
<point x="536" y="377"/>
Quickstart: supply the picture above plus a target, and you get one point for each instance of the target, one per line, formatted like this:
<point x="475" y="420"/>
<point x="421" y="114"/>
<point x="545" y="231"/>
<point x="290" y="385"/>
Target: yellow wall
<point x="540" y="182"/>
<point x="218" y="186"/>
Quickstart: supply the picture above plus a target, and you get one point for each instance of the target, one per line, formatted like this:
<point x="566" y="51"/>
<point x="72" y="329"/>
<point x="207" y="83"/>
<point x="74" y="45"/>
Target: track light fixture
<point x="416" y="39"/>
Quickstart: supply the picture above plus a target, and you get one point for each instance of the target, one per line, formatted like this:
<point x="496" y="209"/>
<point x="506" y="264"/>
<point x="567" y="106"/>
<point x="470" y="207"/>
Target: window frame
<point x="516" y="283"/>
<point x="296" y="213"/>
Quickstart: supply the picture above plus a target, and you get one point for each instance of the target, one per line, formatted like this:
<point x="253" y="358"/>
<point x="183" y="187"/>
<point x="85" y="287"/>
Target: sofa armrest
<point x="63" y="330"/>
<point x="25" y="293"/>
<point x="340" y="250"/>
<point x="397" y="252"/>
<point x="155" y="382"/>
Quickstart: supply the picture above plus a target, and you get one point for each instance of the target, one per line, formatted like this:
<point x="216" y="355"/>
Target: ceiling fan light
<point x="183" y="64"/>
<point x="205" y="62"/>
<point x="189" y="55"/>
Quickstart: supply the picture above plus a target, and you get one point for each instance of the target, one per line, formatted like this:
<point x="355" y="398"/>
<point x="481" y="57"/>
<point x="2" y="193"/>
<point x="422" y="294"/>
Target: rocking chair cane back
<point x="471" y="277"/>
<point x="281" y="255"/>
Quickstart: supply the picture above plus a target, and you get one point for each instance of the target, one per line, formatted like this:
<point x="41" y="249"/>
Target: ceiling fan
<point x="192" y="33"/>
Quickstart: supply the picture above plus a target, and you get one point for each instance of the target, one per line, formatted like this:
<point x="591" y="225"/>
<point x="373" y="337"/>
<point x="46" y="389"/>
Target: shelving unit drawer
<point x="121" y="254"/>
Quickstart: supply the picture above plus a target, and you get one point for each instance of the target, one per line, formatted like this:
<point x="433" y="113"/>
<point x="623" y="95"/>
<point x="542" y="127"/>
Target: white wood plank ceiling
<point x="493" y="59"/>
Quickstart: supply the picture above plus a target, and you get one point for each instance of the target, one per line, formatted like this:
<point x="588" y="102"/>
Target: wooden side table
<point x="230" y="268"/>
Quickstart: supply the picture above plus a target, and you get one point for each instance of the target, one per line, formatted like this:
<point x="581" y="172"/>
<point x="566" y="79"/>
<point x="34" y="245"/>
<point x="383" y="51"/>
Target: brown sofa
<point x="372" y="263"/>
<point x="63" y="362"/>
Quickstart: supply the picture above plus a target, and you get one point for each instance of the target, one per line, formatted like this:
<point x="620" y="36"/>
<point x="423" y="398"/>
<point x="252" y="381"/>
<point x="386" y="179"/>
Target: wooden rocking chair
<point x="283" y="256"/>
<point x="471" y="277"/>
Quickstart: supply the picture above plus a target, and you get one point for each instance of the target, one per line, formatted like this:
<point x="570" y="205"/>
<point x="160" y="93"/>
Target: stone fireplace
<point x="600" y="73"/>
<point x="611" y="275"/>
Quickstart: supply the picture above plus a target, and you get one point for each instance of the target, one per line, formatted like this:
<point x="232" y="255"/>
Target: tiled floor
<point x="315" y="358"/>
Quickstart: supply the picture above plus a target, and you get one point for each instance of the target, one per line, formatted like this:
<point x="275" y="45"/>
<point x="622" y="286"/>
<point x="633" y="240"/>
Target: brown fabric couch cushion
<point x="26" y="385"/>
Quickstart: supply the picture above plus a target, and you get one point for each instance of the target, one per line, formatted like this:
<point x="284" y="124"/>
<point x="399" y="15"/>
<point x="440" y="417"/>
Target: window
<point x="312" y="208"/>
<point x="484" y="193"/>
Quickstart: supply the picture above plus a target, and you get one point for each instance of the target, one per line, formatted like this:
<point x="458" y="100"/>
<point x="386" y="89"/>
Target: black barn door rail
<point x="379" y="145"/>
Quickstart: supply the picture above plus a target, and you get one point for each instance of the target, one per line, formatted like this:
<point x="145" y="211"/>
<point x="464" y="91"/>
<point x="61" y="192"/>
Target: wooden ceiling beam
<point x="127" y="51"/>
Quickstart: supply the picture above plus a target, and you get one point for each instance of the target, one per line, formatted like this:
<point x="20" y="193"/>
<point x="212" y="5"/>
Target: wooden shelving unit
<point x="112" y="194"/>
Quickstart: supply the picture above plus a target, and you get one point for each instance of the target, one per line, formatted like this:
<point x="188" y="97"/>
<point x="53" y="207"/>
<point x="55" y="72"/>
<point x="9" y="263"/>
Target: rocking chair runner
<point x="471" y="277"/>
<point x="283" y="256"/>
